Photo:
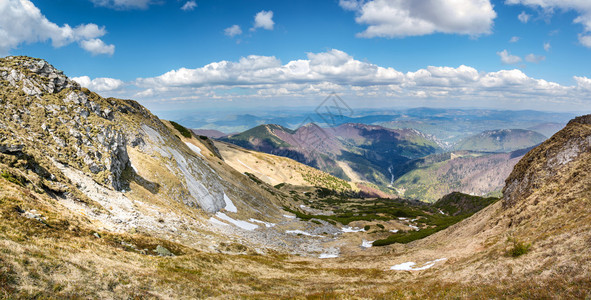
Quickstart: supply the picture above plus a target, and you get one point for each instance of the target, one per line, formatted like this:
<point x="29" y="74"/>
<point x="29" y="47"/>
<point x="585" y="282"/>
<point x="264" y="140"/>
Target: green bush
<point x="519" y="248"/>
<point x="366" y="227"/>
<point x="6" y="175"/>
<point x="380" y="226"/>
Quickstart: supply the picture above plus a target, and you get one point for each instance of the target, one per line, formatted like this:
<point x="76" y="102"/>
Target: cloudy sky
<point x="179" y="54"/>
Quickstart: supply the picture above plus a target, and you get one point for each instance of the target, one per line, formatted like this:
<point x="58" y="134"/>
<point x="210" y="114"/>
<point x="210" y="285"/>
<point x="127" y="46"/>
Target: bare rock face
<point x="547" y="161"/>
<point x="69" y="124"/>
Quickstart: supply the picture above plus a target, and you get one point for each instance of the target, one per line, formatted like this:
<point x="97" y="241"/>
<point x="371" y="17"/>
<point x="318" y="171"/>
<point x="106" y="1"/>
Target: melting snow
<point x="302" y="233"/>
<point x="401" y="218"/>
<point x="367" y="244"/>
<point x="194" y="148"/>
<point x="351" y="229"/>
<point x="289" y="217"/>
<point x="216" y="221"/>
<point x="408" y="266"/>
<point x="242" y="224"/>
<point x="394" y="230"/>
<point x="229" y="204"/>
<point x="267" y="224"/>
<point x="328" y="255"/>
<point x="414" y="227"/>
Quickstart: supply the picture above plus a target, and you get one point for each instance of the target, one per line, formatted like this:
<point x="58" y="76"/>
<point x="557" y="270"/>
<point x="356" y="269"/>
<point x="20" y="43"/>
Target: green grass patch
<point x="180" y="128"/>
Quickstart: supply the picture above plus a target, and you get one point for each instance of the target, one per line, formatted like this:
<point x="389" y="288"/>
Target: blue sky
<point x="173" y="54"/>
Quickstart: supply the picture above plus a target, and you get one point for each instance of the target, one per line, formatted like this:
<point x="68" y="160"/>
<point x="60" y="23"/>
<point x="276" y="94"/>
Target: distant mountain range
<point x="401" y="162"/>
<point x="350" y="151"/>
<point x="447" y="125"/>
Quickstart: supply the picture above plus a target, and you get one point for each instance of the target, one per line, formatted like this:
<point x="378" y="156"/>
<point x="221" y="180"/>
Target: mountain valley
<point x="100" y="198"/>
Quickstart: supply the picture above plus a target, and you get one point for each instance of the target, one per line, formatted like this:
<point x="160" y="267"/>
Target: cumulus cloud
<point x="334" y="66"/>
<point x="189" y="5"/>
<point x="507" y="58"/>
<point x="99" y="84"/>
<point x="401" y="18"/>
<point x="233" y="30"/>
<point x="523" y="17"/>
<point x="22" y="22"/>
<point x="532" y="58"/>
<point x="514" y="39"/>
<point x="123" y="4"/>
<point x="581" y="7"/>
<point x="547" y="47"/>
<point x="264" y="77"/>
<point x="263" y="19"/>
<point x="97" y="46"/>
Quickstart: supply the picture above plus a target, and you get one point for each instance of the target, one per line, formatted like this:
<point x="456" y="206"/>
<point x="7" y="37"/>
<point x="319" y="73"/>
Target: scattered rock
<point x="163" y="251"/>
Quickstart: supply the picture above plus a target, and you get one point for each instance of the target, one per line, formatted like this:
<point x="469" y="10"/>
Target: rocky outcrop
<point x="548" y="161"/>
<point x="41" y="109"/>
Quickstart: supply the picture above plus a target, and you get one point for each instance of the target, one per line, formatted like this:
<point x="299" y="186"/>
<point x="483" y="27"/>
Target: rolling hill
<point x="503" y="140"/>
<point x="476" y="173"/>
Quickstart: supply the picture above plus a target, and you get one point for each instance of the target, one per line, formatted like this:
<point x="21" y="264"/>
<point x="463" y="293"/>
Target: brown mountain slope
<point x="546" y="203"/>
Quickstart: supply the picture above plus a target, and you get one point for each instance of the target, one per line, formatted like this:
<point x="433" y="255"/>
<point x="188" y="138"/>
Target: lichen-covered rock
<point x="72" y="125"/>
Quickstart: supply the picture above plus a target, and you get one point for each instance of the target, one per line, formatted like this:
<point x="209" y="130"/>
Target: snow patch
<point x="351" y="229"/>
<point x="328" y="255"/>
<point x="267" y="224"/>
<point x="194" y="148"/>
<point x="289" y="217"/>
<point x="401" y="218"/>
<point x="367" y="244"/>
<point x="394" y="230"/>
<point x="413" y="227"/>
<point x="301" y="232"/>
<point x="408" y="266"/>
<point x="217" y="222"/>
<point x="242" y="224"/>
<point x="229" y="204"/>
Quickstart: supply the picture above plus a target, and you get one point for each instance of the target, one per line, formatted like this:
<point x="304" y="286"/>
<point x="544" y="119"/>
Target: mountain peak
<point x="34" y="76"/>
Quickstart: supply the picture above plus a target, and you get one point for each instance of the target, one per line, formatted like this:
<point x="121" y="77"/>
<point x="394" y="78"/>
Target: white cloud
<point x="507" y="58"/>
<point x="333" y="66"/>
<point x="585" y="40"/>
<point x="266" y="77"/>
<point x="514" y="39"/>
<point x="401" y="18"/>
<point x="581" y="7"/>
<point x="233" y="30"/>
<point x="263" y="19"/>
<point x="123" y="4"/>
<point x="97" y="46"/>
<point x="99" y="84"/>
<point x="532" y="58"/>
<point x="523" y="17"/>
<point x="583" y="83"/>
<point x="190" y="5"/>
<point x="547" y="47"/>
<point x="22" y="22"/>
<point x="350" y="4"/>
